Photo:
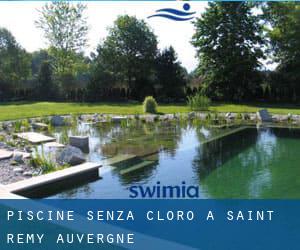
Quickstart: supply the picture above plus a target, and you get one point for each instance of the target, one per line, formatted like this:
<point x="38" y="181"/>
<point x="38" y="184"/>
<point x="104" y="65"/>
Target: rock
<point x="71" y="155"/>
<point x="246" y="116"/>
<point x="57" y="121"/>
<point x="18" y="157"/>
<point x="191" y="115"/>
<point x="5" y="154"/>
<point x="54" y="145"/>
<point x="28" y="174"/>
<point x="18" y="170"/>
<point x="118" y="119"/>
<point x="264" y="116"/>
<point x="81" y="142"/>
<point x="39" y="125"/>
<point x="229" y="116"/>
<point x="28" y="149"/>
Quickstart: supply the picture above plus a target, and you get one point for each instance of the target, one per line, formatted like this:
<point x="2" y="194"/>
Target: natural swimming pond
<point x="238" y="162"/>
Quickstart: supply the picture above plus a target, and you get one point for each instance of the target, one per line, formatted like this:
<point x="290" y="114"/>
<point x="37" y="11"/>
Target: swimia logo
<point x="174" y="14"/>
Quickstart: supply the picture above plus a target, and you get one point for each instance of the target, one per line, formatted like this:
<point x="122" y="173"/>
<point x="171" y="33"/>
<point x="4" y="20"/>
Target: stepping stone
<point x="137" y="167"/>
<point x="120" y="160"/>
<point x="54" y="145"/>
<point x="39" y="125"/>
<point x="4" y="154"/>
<point x="264" y="116"/>
<point x="35" y="138"/>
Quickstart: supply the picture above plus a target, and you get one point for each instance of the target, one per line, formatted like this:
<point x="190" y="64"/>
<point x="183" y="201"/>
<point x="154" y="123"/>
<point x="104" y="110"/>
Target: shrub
<point x="150" y="105"/>
<point x="198" y="102"/>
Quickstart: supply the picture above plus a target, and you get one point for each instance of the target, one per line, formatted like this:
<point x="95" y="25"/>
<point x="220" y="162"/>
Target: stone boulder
<point x="81" y="142"/>
<point x="118" y="119"/>
<point x="70" y="155"/>
<point x="40" y="126"/>
<point x="264" y="116"/>
<point x="57" y="121"/>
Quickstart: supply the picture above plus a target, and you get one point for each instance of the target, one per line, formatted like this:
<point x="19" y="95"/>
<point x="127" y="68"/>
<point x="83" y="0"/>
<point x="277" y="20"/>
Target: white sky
<point x="19" y="18"/>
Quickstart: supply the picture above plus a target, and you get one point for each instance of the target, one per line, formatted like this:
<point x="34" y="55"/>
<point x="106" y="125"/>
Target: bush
<point x="150" y="105"/>
<point x="199" y="102"/>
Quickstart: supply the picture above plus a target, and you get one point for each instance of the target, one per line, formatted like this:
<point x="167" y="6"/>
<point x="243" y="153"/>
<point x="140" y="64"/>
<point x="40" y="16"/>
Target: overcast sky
<point x="19" y="18"/>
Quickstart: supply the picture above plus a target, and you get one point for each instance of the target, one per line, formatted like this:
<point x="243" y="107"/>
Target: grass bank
<point x="11" y="111"/>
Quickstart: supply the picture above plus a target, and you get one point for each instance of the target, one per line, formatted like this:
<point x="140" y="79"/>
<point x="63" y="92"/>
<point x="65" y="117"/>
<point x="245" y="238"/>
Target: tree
<point x="14" y="64"/>
<point x="284" y="36"/>
<point x="228" y="42"/>
<point x="65" y="28"/>
<point x="45" y="82"/>
<point x="171" y="75"/>
<point x="126" y="57"/>
<point x="37" y="59"/>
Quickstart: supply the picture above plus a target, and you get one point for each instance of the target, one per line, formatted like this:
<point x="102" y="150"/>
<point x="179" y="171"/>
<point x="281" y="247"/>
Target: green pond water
<point x="225" y="163"/>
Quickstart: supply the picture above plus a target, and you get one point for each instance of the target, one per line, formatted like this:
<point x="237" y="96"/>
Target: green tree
<point x="126" y="57"/>
<point x="65" y="27"/>
<point x="14" y="64"/>
<point x="228" y="42"/>
<point x="45" y="83"/>
<point x="171" y="76"/>
<point x="37" y="58"/>
<point x="284" y="36"/>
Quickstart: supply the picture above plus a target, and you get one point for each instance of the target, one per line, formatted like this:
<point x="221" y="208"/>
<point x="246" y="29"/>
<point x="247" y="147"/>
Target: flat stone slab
<point x="54" y="145"/>
<point x="53" y="177"/>
<point x="5" y="194"/>
<point x="114" y="161"/>
<point x="5" y="154"/>
<point x="35" y="138"/>
<point x="138" y="166"/>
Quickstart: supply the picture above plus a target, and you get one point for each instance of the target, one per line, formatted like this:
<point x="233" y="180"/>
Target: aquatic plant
<point x="44" y="162"/>
<point x="123" y="123"/>
<point x="21" y="125"/>
<point x="64" y="137"/>
<point x="39" y="160"/>
<point x="150" y="105"/>
<point x="198" y="102"/>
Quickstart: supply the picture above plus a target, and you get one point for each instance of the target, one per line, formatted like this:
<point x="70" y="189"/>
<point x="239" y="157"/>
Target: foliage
<point x="44" y="162"/>
<point x="171" y="75"/>
<point x="198" y="102"/>
<point x="228" y="40"/>
<point x="126" y="57"/>
<point x="14" y="64"/>
<point x="65" y="27"/>
<point x="284" y="37"/>
<point x="46" y="86"/>
<point x="21" y="125"/>
<point x="150" y="105"/>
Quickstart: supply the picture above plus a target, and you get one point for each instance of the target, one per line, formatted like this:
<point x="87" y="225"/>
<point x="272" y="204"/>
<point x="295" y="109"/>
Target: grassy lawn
<point x="11" y="111"/>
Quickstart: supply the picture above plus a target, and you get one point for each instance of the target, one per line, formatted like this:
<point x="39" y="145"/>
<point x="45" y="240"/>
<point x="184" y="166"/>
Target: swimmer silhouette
<point x="174" y="14"/>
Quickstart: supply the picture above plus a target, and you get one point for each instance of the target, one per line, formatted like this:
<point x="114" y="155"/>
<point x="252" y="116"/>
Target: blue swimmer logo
<point x="175" y="15"/>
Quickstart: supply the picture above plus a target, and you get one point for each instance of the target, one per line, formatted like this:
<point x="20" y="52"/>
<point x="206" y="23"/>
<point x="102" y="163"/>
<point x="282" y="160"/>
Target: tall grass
<point x="198" y="102"/>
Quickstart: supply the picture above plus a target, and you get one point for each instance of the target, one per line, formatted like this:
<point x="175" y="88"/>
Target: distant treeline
<point x="232" y="39"/>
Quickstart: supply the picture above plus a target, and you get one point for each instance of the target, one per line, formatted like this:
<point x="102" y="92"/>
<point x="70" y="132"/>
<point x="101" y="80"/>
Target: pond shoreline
<point x="16" y="169"/>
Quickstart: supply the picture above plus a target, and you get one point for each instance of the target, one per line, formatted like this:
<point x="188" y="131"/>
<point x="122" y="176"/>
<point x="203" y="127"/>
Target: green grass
<point x="12" y="111"/>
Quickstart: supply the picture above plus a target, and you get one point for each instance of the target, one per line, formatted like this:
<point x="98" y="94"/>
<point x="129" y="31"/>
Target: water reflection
<point x="248" y="163"/>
